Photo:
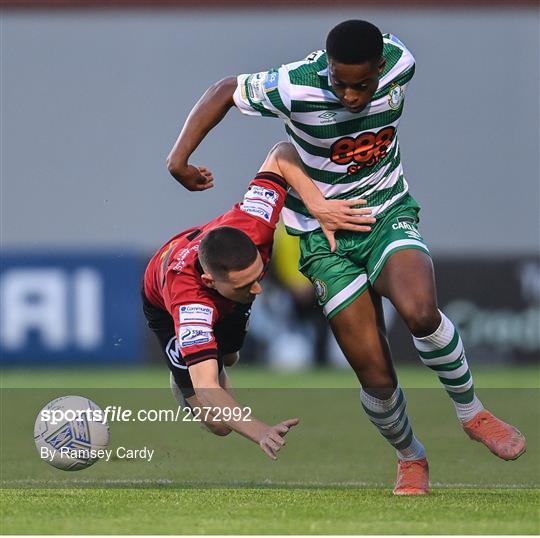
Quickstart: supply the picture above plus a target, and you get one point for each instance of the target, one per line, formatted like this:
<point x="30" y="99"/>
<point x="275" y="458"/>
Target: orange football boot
<point x="412" y="477"/>
<point x="502" y="439"/>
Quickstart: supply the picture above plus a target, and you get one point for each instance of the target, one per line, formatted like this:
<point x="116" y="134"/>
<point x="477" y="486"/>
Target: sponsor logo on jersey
<point x="364" y="151"/>
<point x="395" y="96"/>
<point x="255" y="192"/>
<point x="320" y="289"/>
<point x="195" y="335"/>
<point x="257" y="208"/>
<point x="413" y="234"/>
<point x="314" y="56"/>
<point x="408" y="224"/>
<point x="181" y="258"/>
<point x="173" y="353"/>
<point x="328" y="117"/>
<point x="255" y="86"/>
<point x="410" y="220"/>
<point x="271" y="81"/>
<point x="196" y="313"/>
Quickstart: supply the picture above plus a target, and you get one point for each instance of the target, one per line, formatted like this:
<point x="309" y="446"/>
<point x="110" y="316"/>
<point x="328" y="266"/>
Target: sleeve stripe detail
<point x="202" y="359"/>
<point x="274" y="178"/>
<point x="393" y="54"/>
<point x="275" y="99"/>
<point x="198" y="354"/>
<point x="401" y="80"/>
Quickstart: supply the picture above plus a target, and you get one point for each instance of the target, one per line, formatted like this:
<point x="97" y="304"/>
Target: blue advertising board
<point x="70" y="308"/>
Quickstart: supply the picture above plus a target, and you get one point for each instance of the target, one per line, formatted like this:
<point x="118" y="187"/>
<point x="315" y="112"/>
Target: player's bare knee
<point x="423" y="320"/>
<point x="375" y="376"/>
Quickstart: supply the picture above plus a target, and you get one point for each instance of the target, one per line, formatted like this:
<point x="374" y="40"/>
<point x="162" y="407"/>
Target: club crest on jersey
<point x="395" y="96"/>
<point x="320" y="289"/>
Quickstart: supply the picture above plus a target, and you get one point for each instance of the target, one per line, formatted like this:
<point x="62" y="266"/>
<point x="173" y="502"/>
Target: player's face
<point x="355" y="84"/>
<point x="242" y="286"/>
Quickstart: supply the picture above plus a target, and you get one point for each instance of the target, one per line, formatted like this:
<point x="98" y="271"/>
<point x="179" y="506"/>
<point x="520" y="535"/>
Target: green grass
<point x="268" y="511"/>
<point x="415" y="376"/>
<point x="335" y="475"/>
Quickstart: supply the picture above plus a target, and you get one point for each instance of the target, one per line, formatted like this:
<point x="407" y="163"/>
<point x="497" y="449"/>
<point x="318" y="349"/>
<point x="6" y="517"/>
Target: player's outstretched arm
<point x="223" y="405"/>
<point x="206" y="114"/>
<point x="332" y="215"/>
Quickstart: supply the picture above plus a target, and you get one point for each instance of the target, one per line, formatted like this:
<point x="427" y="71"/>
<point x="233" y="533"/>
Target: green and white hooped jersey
<point x="347" y="155"/>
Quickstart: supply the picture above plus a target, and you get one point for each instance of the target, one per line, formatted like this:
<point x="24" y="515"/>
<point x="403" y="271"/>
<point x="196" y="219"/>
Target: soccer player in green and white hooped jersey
<point x="341" y="108"/>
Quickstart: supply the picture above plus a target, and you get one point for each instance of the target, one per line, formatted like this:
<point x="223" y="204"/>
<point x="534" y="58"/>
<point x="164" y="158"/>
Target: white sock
<point x="443" y="353"/>
<point x="390" y="418"/>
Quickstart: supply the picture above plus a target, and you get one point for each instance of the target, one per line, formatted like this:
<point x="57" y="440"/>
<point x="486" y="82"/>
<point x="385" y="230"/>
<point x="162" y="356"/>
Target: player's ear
<point x="382" y="65"/>
<point x="208" y="280"/>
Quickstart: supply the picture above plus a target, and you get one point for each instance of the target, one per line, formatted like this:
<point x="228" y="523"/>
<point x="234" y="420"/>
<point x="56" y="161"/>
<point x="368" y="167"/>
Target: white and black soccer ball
<point x="70" y="432"/>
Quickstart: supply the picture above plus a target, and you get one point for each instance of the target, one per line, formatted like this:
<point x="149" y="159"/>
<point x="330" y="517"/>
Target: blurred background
<point x="94" y="93"/>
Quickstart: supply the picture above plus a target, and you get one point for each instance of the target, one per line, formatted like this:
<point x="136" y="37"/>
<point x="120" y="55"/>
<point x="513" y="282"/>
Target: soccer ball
<point x="71" y="433"/>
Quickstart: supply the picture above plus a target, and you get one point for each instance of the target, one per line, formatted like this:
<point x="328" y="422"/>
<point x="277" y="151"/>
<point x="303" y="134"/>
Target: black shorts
<point x="229" y="334"/>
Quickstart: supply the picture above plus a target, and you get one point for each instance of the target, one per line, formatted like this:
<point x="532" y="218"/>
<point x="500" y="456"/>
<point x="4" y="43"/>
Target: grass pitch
<point x="334" y="477"/>
<point x="268" y="511"/>
<point x="255" y="377"/>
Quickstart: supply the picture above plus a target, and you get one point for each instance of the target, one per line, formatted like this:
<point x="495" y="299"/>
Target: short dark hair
<point x="226" y="249"/>
<point x="354" y="42"/>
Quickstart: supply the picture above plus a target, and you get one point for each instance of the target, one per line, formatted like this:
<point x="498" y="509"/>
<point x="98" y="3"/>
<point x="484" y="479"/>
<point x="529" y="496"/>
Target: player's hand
<point x="195" y="178"/>
<point x="336" y="215"/>
<point x="273" y="440"/>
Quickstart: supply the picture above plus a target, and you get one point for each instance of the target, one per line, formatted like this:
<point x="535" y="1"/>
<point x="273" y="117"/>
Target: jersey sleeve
<point x="264" y="94"/>
<point x="400" y="63"/>
<point x="264" y="199"/>
<point x="194" y="323"/>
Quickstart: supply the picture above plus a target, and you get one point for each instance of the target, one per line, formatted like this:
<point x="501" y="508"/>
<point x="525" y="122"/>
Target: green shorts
<point x="340" y="277"/>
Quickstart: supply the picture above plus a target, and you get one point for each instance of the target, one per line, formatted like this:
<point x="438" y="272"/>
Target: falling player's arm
<point x="211" y="395"/>
<point x="332" y="215"/>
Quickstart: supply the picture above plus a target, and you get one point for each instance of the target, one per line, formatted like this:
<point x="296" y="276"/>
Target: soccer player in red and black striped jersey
<point x="199" y="286"/>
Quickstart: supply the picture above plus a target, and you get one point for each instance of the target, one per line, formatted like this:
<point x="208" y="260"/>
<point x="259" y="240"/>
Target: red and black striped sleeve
<point x="201" y="356"/>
